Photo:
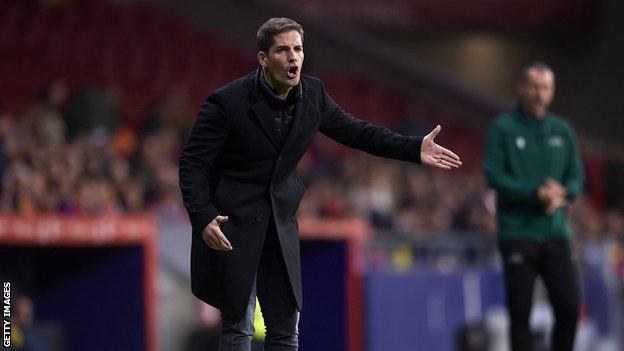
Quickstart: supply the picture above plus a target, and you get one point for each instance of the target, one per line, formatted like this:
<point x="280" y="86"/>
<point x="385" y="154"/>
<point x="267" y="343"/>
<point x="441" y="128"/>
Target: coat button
<point x="259" y="218"/>
<point x="280" y="158"/>
<point x="272" y="188"/>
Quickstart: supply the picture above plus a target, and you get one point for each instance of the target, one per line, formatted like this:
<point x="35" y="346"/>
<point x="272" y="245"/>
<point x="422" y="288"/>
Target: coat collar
<point x="256" y="93"/>
<point x="270" y="94"/>
<point x="263" y="113"/>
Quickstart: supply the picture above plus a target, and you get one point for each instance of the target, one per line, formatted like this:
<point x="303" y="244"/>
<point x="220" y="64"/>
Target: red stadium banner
<point x="57" y="230"/>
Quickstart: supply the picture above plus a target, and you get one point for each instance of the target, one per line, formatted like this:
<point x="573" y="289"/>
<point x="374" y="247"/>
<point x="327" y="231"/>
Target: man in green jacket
<point x="532" y="161"/>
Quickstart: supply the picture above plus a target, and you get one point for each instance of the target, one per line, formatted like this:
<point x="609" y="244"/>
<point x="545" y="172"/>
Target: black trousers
<point x="279" y="309"/>
<point x="552" y="260"/>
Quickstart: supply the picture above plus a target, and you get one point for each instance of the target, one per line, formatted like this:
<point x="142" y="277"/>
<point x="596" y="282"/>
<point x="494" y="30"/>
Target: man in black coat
<point x="242" y="192"/>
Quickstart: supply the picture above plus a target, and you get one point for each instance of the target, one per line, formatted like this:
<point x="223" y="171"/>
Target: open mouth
<point x="292" y="72"/>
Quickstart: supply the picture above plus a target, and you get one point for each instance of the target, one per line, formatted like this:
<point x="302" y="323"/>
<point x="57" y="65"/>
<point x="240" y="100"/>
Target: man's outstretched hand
<point x="434" y="155"/>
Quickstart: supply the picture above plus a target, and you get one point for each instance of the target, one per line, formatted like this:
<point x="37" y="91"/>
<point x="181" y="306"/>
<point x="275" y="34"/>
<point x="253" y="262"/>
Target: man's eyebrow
<point x="288" y="46"/>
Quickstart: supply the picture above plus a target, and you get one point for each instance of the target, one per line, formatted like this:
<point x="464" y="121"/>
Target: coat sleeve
<point x="356" y="133"/>
<point x="508" y="187"/>
<point x="574" y="175"/>
<point x="200" y="150"/>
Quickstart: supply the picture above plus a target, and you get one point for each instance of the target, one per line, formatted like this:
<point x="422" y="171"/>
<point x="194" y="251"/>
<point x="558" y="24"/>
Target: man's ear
<point x="262" y="58"/>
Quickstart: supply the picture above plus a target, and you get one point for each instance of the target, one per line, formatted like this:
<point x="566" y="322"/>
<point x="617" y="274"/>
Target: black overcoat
<point x="232" y="164"/>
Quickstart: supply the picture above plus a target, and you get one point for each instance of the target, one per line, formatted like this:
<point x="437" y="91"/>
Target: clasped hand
<point x="552" y="195"/>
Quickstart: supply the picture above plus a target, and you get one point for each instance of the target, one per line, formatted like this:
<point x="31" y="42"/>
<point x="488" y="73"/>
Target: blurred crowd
<point x="71" y="153"/>
<point x="76" y="157"/>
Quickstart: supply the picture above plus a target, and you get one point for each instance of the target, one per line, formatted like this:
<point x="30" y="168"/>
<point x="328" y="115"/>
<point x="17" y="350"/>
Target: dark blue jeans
<point x="281" y="317"/>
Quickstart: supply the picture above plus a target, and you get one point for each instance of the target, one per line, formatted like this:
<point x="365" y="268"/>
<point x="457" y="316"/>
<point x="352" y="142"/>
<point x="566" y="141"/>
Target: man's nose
<point x="292" y="57"/>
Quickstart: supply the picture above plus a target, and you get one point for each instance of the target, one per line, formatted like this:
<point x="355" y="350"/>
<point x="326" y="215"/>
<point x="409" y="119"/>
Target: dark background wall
<point x="587" y="61"/>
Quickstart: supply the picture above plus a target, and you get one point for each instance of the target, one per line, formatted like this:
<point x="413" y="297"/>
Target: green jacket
<point x="520" y="152"/>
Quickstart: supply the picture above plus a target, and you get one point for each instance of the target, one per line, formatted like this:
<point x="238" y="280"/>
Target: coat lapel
<point x="262" y="112"/>
<point x="264" y="115"/>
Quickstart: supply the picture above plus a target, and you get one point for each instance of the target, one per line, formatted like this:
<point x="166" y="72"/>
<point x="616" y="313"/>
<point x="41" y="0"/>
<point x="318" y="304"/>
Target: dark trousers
<point x="281" y="317"/>
<point x="552" y="260"/>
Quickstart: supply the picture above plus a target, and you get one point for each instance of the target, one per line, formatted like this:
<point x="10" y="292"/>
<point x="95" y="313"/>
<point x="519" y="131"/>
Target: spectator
<point x="93" y="109"/>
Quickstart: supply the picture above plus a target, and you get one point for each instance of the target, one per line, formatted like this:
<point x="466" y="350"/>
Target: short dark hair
<point x="539" y="65"/>
<point x="273" y="27"/>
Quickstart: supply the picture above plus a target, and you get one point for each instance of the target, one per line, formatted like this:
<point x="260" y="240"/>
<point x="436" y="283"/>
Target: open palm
<point x="434" y="155"/>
